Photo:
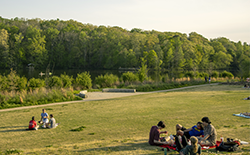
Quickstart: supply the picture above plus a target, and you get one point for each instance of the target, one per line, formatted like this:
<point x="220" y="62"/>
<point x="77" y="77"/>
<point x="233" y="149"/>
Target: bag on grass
<point x="229" y="147"/>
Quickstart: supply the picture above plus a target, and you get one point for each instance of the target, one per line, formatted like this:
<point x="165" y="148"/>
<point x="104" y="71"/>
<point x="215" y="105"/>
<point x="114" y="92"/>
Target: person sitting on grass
<point x="33" y="125"/>
<point x="154" y="135"/>
<point x="210" y="134"/>
<point x="196" y="130"/>
<point x="52" y="122"/>
<point x="183" y="148"/>
<point x="44" y="118"/>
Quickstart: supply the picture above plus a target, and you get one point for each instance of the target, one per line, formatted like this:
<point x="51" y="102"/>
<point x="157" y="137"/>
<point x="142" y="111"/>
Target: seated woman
<point x="185" y="149"/>
<point x="196" y="130"/>
<point x="52" y="122"/>
<point x="33" y="125"/>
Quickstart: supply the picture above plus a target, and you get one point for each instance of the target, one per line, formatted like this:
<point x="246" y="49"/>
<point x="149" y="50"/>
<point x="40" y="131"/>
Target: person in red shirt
<point x="33" y="125"/>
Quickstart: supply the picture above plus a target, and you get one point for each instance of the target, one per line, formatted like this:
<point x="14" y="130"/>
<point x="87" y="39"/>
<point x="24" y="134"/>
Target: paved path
<point x="94" y="96"/>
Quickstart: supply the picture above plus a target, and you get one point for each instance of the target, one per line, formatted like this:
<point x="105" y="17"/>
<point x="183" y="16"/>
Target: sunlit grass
<point x="121" y="126"/>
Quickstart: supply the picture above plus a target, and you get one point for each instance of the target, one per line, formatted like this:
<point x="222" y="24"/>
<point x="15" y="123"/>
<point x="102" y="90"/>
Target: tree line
<point x="71" y="44"/>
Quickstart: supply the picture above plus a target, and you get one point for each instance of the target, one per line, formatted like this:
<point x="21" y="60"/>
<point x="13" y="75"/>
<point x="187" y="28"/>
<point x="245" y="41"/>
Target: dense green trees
<point x="70" y="44"/>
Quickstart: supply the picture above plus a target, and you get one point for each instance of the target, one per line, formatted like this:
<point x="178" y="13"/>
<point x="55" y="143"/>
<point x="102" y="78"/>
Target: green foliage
<point x="36" y="83"/>
<point x="55" y="81"/>
<point x="143" y="71"/>
<point x="203" y="75"/>
<point x="215" y="74"/>
<point x="227" y="74"/>
<point x="13" y="151"/>
<point x="78" y="129"/>
<point x="35" y="97"/>
<point x="129" y="77"/>
<point x="108" y="80"/>
<point x="189" y="74"/>
<point x="164" y="86"/>
<point x="71" y="44"/>
<point x="66" y="80"/>
<point x="83" y="80"/>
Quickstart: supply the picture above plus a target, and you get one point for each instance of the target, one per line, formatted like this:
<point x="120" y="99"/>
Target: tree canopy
<point x="71" y="44"/>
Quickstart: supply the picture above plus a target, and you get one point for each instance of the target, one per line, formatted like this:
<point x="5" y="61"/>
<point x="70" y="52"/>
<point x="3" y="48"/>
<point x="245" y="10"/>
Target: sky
<point x="210" y="18"/>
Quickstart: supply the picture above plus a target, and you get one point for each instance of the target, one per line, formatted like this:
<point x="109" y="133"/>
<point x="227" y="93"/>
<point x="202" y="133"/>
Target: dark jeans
<point x="181" y="145"/>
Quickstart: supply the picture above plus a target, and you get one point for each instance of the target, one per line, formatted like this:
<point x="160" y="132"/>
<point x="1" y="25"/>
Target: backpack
<point x="228" y="146"/>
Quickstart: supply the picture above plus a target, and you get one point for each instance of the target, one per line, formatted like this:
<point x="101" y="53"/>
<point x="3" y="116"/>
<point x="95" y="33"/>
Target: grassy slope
<point x="121" y="126"/>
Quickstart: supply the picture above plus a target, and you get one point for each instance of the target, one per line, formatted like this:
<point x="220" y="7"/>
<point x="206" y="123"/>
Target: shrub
<point x="215" y="74"/>
<point x="203" y="74"/>
<point x="36" y="83"/>
<point x="55" y="81"/>
<point x="227" y="74"/>
<point x="108" y="80"/>
<point x="83" y="80"/>
<point x="189" y="74"/>
<point x="14" y="82"/>
<point x="66" y="80"/>
<point x="129" y="77"/>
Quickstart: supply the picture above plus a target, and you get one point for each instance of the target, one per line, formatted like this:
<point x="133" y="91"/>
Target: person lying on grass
<point x="210" y="134"/>
<point x="154" y="135"/>
<point x="44" y="118"/>
<point x="196" y="130"/>
<point x="248" y="98"/>
<point x="52" y="122"/>
<point x="33" y="125"/>
<point x="245" y="113"/>
<point x="184" y="148"/>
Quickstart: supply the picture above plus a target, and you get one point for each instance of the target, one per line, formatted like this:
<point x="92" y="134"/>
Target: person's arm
<point x="205" y="137"/>
<point x="163" y="132"/>
<point x="187" y="130"/>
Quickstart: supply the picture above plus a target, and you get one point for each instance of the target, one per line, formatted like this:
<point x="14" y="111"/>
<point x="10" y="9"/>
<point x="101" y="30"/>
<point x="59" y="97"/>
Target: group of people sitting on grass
<point x="45" y="122"/>
<point x="200" y="134"/>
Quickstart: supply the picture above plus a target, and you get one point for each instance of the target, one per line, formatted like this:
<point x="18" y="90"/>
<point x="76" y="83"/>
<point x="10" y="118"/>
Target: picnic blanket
<point x="241" y="115"/>
<point x="202" y="146"/>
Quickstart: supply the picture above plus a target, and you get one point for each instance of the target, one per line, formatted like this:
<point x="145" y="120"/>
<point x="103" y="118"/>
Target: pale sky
<point x="210" y="18"/>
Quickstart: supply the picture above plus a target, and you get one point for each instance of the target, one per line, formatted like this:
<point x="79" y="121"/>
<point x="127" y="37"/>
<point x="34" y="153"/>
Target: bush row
<point x="13" y="82"/>
<point x="35" y="97"/>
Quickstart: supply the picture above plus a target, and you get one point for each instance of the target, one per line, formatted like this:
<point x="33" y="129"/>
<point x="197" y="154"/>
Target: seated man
<point x="210" y="134"/>
<point x="154" y="135"/>
<point x="33" y="125"/>
<point x="196" y="130"/>
<point x="52" y="122"/>
<point x="44" y="118"/>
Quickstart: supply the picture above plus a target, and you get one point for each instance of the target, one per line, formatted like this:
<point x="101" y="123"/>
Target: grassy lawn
<point x="121" y="126"/>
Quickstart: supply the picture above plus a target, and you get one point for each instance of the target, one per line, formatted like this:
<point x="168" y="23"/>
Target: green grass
<point x="122" y="125"/>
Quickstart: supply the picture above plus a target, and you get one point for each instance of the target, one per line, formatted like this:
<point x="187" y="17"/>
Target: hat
<point x="205" y="119"/>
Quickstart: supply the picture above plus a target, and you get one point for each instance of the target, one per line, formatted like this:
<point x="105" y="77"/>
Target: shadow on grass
<point x="17" y="130"/>
<point x="11" y="127"/>
<point x="125" y="147"/>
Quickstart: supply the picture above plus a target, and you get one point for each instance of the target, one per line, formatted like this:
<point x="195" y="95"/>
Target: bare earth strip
<point x="94" y="96"/>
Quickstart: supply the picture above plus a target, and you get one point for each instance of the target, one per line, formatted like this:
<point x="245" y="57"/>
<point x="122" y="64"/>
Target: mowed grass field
<point x="122" y="125"/>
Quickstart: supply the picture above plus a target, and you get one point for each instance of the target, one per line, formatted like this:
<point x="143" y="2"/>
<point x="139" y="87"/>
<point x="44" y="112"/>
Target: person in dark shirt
<point x="154" y="135"/>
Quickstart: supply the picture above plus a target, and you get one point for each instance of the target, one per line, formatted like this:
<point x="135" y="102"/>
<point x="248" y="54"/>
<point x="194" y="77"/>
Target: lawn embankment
<point x="121" y="126"/>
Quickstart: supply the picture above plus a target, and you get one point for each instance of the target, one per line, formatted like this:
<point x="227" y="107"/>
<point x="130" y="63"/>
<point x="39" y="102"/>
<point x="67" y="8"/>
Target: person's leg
<point x="184" y="141"/>
<point x="178" y="144"/>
